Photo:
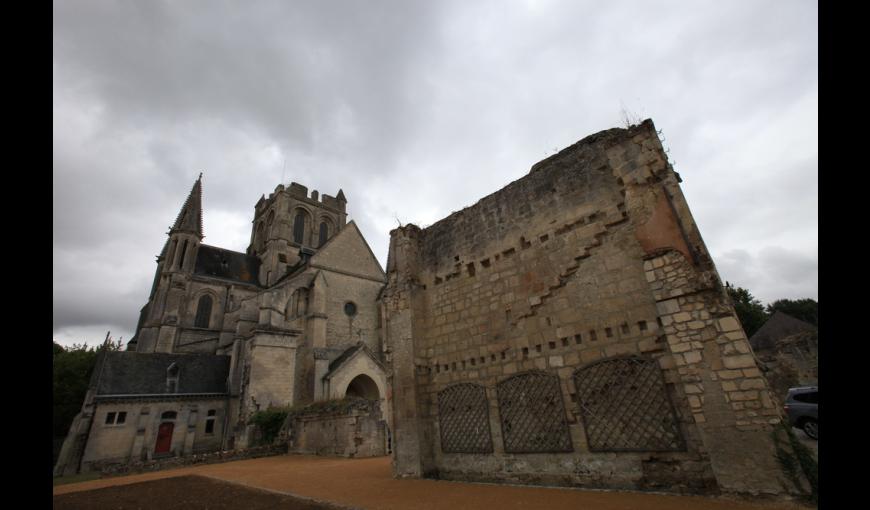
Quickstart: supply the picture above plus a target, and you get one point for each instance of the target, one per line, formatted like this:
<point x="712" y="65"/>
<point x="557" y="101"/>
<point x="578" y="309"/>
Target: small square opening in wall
<point x="110" y="418"/>
<point x="659" y="321"/>
<point x="492" y="358"/>
<point x="525" y="352"/>
<point x="453" y="366"/>
<point x="565" y="342"/>
<point x="608" y="332"/>
<point x="446" y="368"/>
<point x="503" y="354"/>
<point x="578" y="339"/>
<point x="482" y="360"/>
<point x="437" y="369"/>
<point x="593" y="335"/>
<point x="624" y="328"/>
<point x="538" y="348"/>
<point x="552" y="345"/>
<point x="122" y="417"/>
<point x="463" y="364"/>
<point x="641" y="325"/>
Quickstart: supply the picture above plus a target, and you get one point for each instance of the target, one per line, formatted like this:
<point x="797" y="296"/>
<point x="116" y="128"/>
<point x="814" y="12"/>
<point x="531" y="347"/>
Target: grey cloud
<point x="415" y="109"/>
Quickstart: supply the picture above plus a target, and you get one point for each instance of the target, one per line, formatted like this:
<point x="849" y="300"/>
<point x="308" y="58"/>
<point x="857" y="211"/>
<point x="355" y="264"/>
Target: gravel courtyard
<point x="318" y="483"/>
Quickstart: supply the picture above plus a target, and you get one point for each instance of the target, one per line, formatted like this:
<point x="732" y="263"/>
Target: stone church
<point x="569" y="329"/>
<point x="291" y="321"/>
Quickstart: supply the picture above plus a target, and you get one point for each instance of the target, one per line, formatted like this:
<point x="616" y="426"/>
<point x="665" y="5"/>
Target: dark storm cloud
<point x="415" y="109"/>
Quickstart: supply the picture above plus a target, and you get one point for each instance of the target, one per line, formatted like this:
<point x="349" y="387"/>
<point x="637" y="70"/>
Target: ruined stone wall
<point x="505" y="318"/>
<point x="354" y="433"/>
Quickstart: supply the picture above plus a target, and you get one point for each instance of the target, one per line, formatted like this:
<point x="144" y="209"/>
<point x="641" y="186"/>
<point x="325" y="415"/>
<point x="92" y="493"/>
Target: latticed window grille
<point x="625" y="406"/>
<point x="533" y="414"/>
<point x="463" y="414"/>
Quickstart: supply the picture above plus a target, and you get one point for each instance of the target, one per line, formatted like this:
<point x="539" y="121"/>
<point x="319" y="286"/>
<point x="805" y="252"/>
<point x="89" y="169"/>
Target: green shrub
<point x="798" y="461"/>
<point x="269" y="422"/>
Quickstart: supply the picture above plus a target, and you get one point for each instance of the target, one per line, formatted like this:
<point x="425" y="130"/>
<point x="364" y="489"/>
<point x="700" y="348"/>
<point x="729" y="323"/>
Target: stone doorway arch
<point x="363" y="386"/>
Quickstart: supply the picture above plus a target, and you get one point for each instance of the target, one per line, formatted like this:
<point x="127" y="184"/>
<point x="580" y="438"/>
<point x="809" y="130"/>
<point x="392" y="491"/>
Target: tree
<point x="749" y="310"/>
<point x="72" y="369"/>
<point x="805" y="309"/>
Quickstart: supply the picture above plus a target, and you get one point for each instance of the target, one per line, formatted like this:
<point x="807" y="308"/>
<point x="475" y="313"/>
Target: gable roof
<point x="349" y="354"/>
<point x="139" y="373"/>
<point x="348" y="252"/>
<point x="777" y="327"/>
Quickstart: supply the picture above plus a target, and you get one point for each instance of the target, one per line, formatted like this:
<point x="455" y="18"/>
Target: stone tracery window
<point x="625" y="407"/>
<point x="533" y="414"/>
<point x="324" y="234"/>
<point x="203" y="312"/>
<point x="300" y="222"/>
<point x="463" y="419"/>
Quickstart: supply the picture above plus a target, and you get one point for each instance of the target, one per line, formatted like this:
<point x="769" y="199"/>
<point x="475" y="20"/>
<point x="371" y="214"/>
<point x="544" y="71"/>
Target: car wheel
<point x="811" y="427"/>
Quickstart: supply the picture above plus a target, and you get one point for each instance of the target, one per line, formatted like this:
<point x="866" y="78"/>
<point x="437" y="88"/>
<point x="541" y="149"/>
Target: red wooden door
<point x="164" y="438"/>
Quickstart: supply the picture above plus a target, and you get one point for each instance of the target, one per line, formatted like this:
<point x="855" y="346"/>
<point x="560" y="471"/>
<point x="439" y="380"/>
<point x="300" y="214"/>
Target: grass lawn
<point x="82" y="477"/>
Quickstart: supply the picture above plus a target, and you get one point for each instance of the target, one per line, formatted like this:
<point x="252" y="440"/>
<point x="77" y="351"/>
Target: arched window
<point x="290" y="310"/>
<point x="203" y="312"/>
<point x="324" y="234"/>
<point x="299" y="228"/>
<point x="181" y="259"/>
<point x="260" y="240"/>
<point x="172" y="253"/>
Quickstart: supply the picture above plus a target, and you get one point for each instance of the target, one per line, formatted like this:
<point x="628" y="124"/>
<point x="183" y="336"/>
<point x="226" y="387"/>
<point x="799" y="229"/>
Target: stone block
<point x="739" y="361"/>
<point x="682" y="317"/>
<point x="692" y="357"/>
<point x="727" y="324"/>
<point x="752" y="384"/>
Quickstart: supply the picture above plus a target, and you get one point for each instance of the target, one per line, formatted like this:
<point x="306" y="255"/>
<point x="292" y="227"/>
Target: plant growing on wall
<point x="269" y="423"/>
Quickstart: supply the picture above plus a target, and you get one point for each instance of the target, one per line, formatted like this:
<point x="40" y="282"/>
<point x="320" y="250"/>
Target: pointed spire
<point x="340" y="196"/>
<point x="190" y="217"/>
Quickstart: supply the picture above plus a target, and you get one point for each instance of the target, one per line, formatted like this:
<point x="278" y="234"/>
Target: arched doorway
<point x="363" y="386"/>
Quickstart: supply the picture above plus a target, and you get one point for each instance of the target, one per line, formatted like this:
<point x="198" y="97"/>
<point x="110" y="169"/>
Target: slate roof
<point x="777" y="327"/>
<point x="226" y="264"/>
<point x="139" y="373"/>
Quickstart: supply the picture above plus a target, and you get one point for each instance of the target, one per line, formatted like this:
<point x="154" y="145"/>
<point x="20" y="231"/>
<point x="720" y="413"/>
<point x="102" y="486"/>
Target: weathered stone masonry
<point x="589" y="271"/>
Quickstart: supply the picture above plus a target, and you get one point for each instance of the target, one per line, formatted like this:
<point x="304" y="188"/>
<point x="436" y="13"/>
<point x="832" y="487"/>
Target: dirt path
<point x="367" y="483"/>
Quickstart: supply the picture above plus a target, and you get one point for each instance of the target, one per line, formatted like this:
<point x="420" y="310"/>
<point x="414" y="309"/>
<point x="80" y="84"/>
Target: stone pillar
<point x="317" y="318"/>
<point x="190" y="431"/>
<point x="137" y="451"/>
<point x="413" y="455"/>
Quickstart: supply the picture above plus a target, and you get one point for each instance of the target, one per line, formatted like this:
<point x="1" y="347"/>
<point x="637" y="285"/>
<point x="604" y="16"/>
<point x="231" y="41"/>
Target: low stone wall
<point x="110" y="468"/>
<point x="343" y="428"/>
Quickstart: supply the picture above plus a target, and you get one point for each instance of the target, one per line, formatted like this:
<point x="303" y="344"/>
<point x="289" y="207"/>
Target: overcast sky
<point x="415" y="109"/>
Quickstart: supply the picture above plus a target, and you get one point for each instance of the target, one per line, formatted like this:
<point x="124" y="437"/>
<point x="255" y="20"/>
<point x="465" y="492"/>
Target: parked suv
<point x="802" y="408"/>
